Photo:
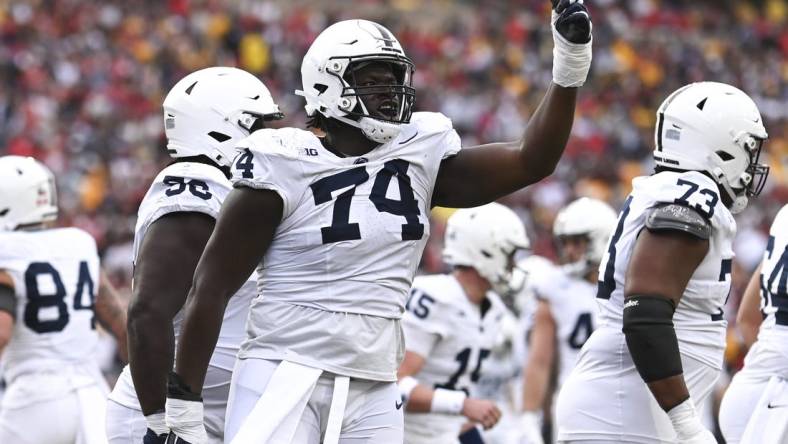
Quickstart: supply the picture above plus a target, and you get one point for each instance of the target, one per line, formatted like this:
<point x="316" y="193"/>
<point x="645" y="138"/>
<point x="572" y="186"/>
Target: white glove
<point x="571" y="61"/>
<point x="687" y="425"/>
<point x="530" y="428"/>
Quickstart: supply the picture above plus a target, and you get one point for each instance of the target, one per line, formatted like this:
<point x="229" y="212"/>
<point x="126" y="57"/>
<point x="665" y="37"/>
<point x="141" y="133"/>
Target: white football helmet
<point x="716" y="129"/>
<point x="27" y="193"/>
<point x="591" y="218"/>
<point x="485" y="238"/>
<point x="329" y="87"/>
<point x="210" y="110"/>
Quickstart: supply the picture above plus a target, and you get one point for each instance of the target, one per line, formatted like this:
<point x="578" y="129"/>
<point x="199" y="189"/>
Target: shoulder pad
<point x="282" y="141"/>
<point x="431" y="121"/>
<point x="780" y="223"/>
<point x="680" y="218"/>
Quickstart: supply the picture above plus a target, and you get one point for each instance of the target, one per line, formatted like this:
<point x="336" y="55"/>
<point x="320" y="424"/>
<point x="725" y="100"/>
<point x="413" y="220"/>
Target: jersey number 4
<point x="341" y="229"/>
<point x="55" y="301"/>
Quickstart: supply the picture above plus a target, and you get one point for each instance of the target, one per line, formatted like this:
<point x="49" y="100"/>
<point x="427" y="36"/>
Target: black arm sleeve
<point x="8" y="300"/>
<point x="651" y="339"/>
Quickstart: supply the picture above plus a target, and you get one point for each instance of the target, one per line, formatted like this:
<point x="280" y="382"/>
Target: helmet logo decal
<point x="385" y="35"/>
<point x="388" y="39"/>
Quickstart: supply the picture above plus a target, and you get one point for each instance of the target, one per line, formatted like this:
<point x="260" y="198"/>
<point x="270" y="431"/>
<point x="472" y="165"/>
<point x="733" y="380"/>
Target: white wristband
<point x="685" y="419"/>
<point x="185" y="419"/>
<point x="447" y="401"/>
<point x="157" y="423"/>
<point x="406" y="385"/>
<point x="571" y="61"/>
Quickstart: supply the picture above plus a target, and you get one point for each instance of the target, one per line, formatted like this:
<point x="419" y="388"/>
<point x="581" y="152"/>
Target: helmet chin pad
<point x="373" y="129"/>
<point x="379" y="131"/>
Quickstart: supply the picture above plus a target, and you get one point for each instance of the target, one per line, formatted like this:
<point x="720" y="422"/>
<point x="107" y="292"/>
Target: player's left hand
<point x="152" y="437"/>
<point x="572" y="20"/>
<point x="572" y="35"/>
<point x="688" y="426"/>
<point x="184" y="412"/>
<point x="530" y="428"/>
<point x="483" y="411"/>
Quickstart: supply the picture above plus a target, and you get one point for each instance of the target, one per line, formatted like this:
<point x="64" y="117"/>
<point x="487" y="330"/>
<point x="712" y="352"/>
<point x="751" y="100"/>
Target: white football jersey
<point x="56" y="277"/>
<point x="574" y="309"/>
<point x="456" y="337"/>
<point x="351" y="236"/>
<point x="503" y="367"/>
<point x="199" y="188"/>
<point x="698" y="319"/>
<point x="774" y="296"/>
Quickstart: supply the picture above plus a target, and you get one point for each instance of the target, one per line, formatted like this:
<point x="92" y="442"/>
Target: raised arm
<point x="162" y="276"/>
<point x="749" y="318"/>
<point x="111" y="314"/>
<point x="481" y="174"/>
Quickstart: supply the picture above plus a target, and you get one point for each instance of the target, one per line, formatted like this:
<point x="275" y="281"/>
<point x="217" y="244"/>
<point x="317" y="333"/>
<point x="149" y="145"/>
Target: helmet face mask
<point x="399" y="92"/>
<point x="573" y="247"/>
<point x="757" y="172"/>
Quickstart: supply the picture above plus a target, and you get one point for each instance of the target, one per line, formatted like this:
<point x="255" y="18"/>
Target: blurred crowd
<point x="81" y="86"/>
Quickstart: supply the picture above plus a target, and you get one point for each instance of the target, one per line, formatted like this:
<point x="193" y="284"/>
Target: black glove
<point x="152" y="438"/>
<point x="574" y="21"/>
<point x="172" y="438"/>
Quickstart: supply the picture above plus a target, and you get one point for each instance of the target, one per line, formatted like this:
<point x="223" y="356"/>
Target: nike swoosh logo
<point x="409" y="138"/>
<point x="398" y="404"/>
<point x="770" y="406"/>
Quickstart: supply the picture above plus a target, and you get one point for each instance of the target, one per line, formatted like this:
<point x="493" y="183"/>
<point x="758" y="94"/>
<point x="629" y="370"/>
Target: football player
<point x="452" y="323"/>
<point x="566" y="311"/>
<point x="501" y="380"/>
<point x="205" y="114"/>
<point x="755" y="406"/>
<point x="649" y="367"/>
<point x="51" y="295"/>
<point x="337" y="220"/>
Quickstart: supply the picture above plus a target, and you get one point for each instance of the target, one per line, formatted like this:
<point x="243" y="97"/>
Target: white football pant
<point x="283" y="403"/>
